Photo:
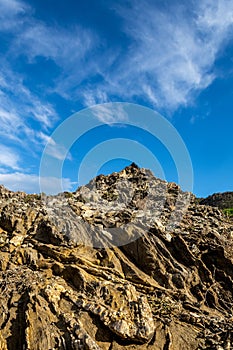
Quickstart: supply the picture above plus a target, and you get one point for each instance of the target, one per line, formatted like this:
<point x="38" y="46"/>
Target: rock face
<point x="220" y="200"/>
<point x="126" y="262"/>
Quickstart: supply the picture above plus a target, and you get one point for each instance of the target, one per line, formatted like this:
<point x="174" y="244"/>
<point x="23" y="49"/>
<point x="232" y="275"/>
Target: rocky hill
<point x="126" y="262"/>
<point x="221" y="200"/>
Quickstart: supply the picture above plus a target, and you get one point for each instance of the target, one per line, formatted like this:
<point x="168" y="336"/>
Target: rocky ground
<point x="126" y="262"/>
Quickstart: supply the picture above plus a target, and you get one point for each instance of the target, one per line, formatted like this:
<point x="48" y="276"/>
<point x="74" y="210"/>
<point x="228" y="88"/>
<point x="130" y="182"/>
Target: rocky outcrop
<point x="221" y="200"/>
<point x="126" y="262"/>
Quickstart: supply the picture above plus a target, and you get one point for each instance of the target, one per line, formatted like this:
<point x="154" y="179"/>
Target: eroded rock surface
<point x="126" y="262"/>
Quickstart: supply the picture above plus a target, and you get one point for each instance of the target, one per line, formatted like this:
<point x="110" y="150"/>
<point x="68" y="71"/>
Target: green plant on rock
<point x="228" y="212"/>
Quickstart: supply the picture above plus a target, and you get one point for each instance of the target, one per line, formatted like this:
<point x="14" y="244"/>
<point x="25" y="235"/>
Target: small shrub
<point x="228" y="212"/>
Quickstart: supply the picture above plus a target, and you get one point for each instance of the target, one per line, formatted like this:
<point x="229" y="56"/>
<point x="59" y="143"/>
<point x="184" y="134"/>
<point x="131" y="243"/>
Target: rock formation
<point x="125" y="262"/>
<point x="221" y="200"/>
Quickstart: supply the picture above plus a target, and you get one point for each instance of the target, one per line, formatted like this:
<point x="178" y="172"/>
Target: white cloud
<point x="19" y="111"/>
<point x="10" y="12"/>
<point x="11" y="7"/>
<point x="44" y="137"/>
<point x="67" y="48"/>
<point x="64" y="47"/>
<point x="170" y="58"/>
<point x="8" y="158"/>
<point x="57" y="151"/>
<point x="30" y="183"/>
<point x="150" y="94"/>
<point x="91" y="99"/>
<point x="173" y="50"/>
<point x="71" y="49"/>
<point x="110" y="113"/>
<point x="19" y="104"/>
<point x="9" y="120"/>
<point x="215" y="16"/>
<point x="172" y="53"/>
<point x="53" y="149"/>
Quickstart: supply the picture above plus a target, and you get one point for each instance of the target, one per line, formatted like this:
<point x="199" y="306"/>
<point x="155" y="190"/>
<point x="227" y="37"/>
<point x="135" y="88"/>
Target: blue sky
<point x="57" y="58"/>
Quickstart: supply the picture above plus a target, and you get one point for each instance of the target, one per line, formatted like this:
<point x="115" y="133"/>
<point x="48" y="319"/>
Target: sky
<point x="174" y="57"/>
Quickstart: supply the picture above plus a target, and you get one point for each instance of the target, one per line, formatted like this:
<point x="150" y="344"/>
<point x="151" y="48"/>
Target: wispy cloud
<point x="173" y="50"/>
<point x="71" y="49"/>
<point x="22" y="114"/>
<point x="30" y="183"/>
<point x="25" y="114"/>
<point x="169" y="57"/>
<point x="172" y="53"/>
<point x="31" y="38"/>
<point x="110" y="113"/>
<point x="91" y="99"/>
<point x="20" y="102"/>
<point x="11" y="12"/>
<point x="8" y="158"/>
<point x="63" y="46"/>
<point x="18" y="110"/>
<point x="57" y="151"/>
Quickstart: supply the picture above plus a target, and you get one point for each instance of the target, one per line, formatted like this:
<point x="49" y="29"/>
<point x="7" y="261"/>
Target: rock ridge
<point x="126" y="262"/>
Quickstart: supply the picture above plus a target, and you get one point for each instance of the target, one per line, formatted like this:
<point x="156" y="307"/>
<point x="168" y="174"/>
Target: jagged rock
<point x="128" y="261"/>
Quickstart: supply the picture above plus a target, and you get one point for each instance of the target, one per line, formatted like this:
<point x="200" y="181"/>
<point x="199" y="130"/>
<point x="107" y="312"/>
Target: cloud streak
<point x="172" y="53"/>
<point x="30" y="183"/>
<point x="20" y="109"/>
<point x="31" y="38"/>
<point x="24" y="114"/>
<point x="71" y="49"/>
<point x="170" y="58"/>
<point x="57" y="151"/>
<point x="175" y="51"/>
<point x="11" y="12"/>
<point x="166" y="59"/>
<point x="8" y="158"/>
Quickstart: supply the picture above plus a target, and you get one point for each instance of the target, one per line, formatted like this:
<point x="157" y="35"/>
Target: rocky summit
<point x="126" y="262"/>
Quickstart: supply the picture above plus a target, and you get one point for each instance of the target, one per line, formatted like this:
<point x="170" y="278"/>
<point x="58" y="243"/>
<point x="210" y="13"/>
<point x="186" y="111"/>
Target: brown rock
<point x="65" y="283"/>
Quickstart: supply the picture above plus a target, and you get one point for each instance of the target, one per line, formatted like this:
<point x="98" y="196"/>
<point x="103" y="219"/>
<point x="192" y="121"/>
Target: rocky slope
<point x="126" y="262"/>
<point x="221" y="200"/>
